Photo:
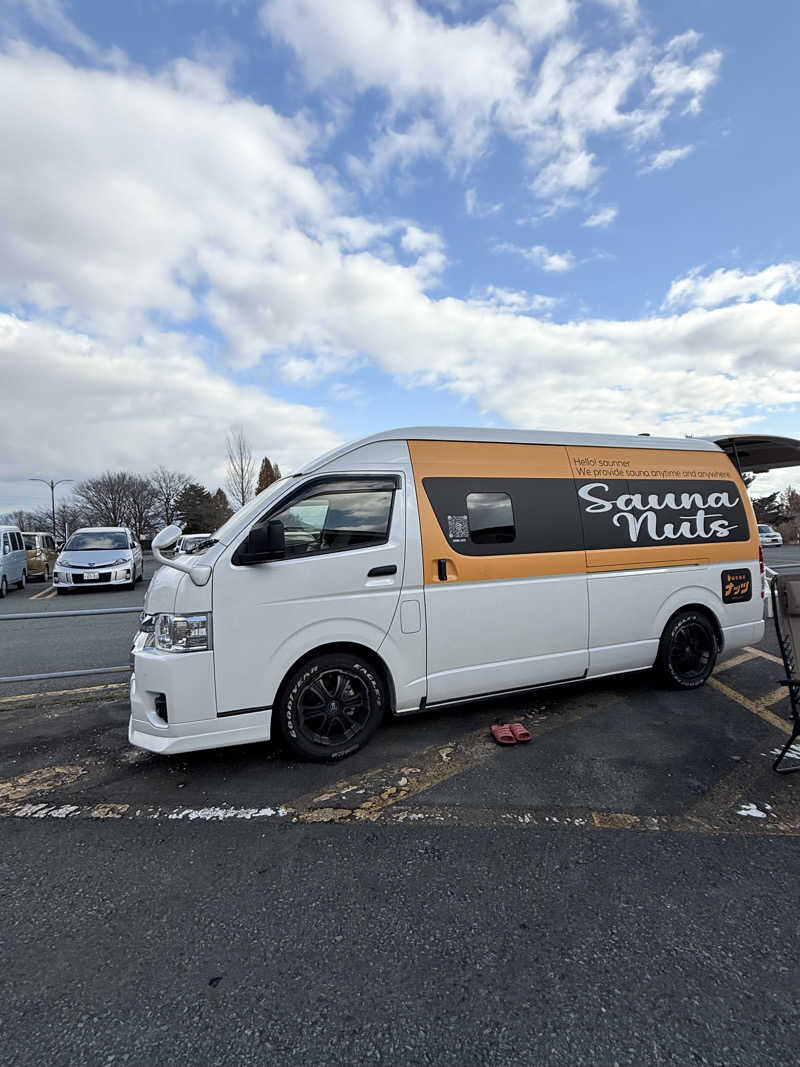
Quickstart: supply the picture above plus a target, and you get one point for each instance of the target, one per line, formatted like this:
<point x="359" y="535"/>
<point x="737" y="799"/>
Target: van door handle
<point x="382" y="572"/>
<point x="441" y="569"/>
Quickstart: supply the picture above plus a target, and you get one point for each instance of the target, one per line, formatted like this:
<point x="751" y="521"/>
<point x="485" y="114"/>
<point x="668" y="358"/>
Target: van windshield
<point x="96" y="541"/>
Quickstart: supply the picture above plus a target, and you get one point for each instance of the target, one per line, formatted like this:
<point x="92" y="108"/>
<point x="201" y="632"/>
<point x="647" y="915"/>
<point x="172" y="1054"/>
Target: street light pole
<point x="52" y="485"/>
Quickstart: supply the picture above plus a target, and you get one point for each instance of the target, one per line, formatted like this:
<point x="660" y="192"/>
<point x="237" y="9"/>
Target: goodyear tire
<point x="3" y="588"/>
<point x="330" y="707"/>
<point x="23" y="579"/>
<point x="688" y="650"/>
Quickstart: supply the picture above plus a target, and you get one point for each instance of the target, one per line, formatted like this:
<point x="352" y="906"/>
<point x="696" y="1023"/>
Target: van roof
<point x="516" y="437"/>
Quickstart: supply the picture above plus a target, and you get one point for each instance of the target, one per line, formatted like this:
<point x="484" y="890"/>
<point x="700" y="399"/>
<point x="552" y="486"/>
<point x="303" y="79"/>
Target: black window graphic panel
<point x="648" y="513"/>
<point x="544" y="511"/>
<point x="491" y="518"/>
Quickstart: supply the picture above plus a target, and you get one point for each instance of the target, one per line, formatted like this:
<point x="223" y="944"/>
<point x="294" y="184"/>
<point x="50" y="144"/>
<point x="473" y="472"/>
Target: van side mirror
<point x="263" y="543"/>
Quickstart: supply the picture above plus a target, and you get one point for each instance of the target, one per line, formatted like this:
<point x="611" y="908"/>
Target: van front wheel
<point x="330" y="707"/>
<point x="688" y="650"/>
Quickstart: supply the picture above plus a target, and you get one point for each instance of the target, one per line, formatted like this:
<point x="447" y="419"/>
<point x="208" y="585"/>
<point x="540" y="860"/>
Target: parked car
<point x="13" y="564"/>
<point x="190" y="541"/>
<point x="768" y="536"/>
<point x="42" y="554"/>
<point x="424" y="567"/>
<point x="99" y="556"/>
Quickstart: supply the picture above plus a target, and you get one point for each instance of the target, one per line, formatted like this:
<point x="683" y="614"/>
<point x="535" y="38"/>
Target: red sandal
<point x="519" y="732"/>
<point x="503" y="735"/>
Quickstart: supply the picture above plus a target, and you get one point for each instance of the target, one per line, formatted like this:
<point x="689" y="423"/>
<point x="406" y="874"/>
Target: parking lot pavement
<point x="39" y="646"/>
<point x="620" y="890"/>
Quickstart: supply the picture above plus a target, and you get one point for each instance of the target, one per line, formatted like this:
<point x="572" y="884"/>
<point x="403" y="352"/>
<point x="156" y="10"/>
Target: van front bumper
<point x="173" y="706"/>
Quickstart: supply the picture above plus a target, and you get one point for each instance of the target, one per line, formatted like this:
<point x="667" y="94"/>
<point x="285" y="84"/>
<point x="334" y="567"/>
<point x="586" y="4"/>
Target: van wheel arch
<point x="703" y="609"/>
<point x="375" y="661"/>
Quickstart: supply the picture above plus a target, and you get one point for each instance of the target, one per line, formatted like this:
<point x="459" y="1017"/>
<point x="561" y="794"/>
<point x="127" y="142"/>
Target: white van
<point x="422" y="567"/>
<point x="13" y="559"/>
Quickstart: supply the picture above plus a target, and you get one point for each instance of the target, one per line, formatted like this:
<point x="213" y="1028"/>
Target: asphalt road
<point x="104" y="641"/>
<point x="37" y="647"/>
<point x="622" y="890"/>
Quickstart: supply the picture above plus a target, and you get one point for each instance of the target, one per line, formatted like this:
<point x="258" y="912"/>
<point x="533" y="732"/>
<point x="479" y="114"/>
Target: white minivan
<point x="13" y="559"/>
<point x="422" y="567"/>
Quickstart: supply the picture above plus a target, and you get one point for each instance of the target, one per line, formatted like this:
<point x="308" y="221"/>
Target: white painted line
<point x="215" y="814"/>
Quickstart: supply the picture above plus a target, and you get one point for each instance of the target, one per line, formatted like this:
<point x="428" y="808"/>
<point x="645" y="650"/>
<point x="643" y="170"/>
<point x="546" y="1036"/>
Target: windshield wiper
<point x="209" y="541"/>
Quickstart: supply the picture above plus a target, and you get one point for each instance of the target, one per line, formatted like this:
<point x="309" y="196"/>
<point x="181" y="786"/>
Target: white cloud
<point x="175" y="198"/>
<point x="522" y="70"/>
<point x="667" y="158"/>
<point x="603" y="217"/>
<point x="82" y="405"/>
<point x="677" y="76"/>
<point x="723" y="286"/>
<point x="476" y="208"/>
<point x="513" y="300"/>
<point x="541" y="256"/>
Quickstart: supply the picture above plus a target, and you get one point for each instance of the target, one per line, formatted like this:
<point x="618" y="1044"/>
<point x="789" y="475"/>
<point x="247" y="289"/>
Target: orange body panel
<point x="464" y="459"/>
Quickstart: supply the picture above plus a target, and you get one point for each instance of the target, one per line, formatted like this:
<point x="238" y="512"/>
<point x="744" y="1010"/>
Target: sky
<point x="319" y="220"/>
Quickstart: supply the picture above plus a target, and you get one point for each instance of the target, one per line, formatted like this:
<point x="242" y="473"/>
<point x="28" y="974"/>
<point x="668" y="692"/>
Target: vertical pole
<point x="53" y="505"/>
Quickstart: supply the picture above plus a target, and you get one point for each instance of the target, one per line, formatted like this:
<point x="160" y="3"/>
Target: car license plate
<point x="91" y="576"/>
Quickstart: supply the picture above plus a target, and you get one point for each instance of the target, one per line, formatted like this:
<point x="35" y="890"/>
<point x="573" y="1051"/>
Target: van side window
<point x="16" y="542"/>
<point x="6" y="544"/>
<point x="336" y="518"/>
<point x="491" y="518"/>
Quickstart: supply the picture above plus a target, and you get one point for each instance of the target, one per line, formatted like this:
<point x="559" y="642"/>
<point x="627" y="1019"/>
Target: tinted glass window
<point x="334" y="521"/>
<point x="30" y="541"/>
<point x="50" y="543"/>
<point x="96" y="540"/>
<point x="6" y="543"/>
<point x="506" y="516"/>
<point x="17" y="542"/>
<point x="491" y="518"/>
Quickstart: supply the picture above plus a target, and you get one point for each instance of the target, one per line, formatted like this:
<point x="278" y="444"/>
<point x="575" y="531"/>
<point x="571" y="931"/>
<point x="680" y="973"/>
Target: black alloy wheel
<point x="331" y="706"/>
<point x="688" y="650"/>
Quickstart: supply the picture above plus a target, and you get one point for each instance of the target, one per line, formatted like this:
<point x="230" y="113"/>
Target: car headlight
<point x="183" y="633"/>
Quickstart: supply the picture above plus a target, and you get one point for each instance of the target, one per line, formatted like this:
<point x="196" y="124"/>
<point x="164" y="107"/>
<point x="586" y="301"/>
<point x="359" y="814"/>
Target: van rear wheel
<point x="688" y="650"/>
<point x="330" y="707"/>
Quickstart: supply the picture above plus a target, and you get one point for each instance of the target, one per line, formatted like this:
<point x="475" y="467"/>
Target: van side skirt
<point x="242" y="711"/>
<point x="425" y="706"/>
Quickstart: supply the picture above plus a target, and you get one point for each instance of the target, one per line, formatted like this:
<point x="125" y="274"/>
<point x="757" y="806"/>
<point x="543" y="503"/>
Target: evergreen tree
<point x="267" y="474"/>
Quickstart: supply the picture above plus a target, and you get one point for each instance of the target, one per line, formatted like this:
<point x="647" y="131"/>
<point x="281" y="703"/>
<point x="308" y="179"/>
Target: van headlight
<point x="183" y="633"/>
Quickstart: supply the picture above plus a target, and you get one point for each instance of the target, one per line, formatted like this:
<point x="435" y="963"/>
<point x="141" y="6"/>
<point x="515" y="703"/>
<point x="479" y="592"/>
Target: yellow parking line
<point x="734" y="661"/>
<point x="37" y="596"/>
<point x="66" y="692"/>
<point x="754" y="706"/>
<point x="764" y="655"/>
<point x="44" y="780"/>
<point x="50" y="595"/>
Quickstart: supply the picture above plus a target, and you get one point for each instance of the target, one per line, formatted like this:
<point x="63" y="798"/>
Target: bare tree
<point x="240" y="467"/>
<point x="140" y="504"/>
<point x="167" y="488"/>
<point x="104" y="500"/>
